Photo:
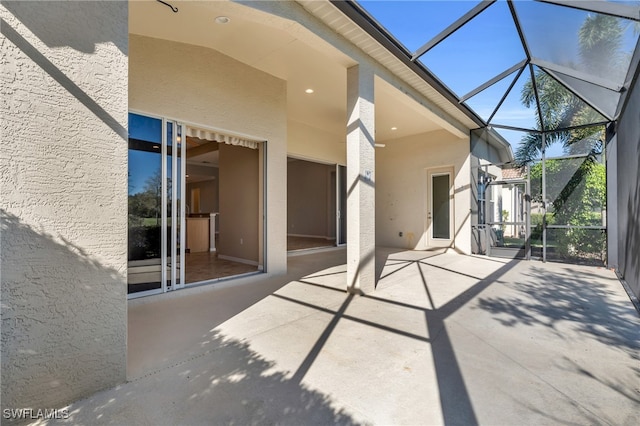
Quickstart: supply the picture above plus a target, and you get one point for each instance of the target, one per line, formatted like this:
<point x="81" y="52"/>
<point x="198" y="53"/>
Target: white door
<point x="440" y="209"/>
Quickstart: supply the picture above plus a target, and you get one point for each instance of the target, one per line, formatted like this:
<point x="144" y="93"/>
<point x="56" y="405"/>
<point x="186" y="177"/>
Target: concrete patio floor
<point x="445" y="339"/>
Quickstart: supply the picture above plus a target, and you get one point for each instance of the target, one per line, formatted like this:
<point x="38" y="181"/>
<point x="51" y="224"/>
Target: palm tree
<point x="583" y="188"/>
<point x="600" y="41"/>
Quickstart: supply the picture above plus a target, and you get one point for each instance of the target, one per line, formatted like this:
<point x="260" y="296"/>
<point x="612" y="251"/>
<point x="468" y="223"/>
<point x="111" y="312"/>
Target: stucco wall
<point x="628" y="192"/>
<point x="63" y="203"/>
<point x="204" y="87"/>
<point x="401" y="188"/>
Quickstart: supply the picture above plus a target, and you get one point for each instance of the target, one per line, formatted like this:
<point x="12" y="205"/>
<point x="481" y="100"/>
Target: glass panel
<point x="487" y="45"/>
<point x="485" y="102"/>
<point x="519" y="109"/>
<point x="577" y="245"/>
<point x="145" y="212"/>
<point x="414" y="23"/>
<point x="562" y="109"/>
<point x="583" y="141"/>
<point x="606" y="100"/>
<point x="536" y="209"/>
<point x="441" y="208"/>
<point x="168" y="201"/>
<point x="576" y="190"/>
<point x="592" y="43"/>
<point x="178" y="204"/>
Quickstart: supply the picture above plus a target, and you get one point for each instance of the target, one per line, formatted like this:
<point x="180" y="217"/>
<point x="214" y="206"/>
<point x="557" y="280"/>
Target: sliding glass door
<point x="156" y="213"/>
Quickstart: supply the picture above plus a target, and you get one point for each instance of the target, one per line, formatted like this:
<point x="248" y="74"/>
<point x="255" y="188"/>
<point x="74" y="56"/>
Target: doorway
<point x="316" y="201"/>
<point x="440" y="208"/>
<point x="195" y="206"/>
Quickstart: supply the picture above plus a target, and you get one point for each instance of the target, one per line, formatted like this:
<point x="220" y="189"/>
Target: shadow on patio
<point x="445" y="339"/>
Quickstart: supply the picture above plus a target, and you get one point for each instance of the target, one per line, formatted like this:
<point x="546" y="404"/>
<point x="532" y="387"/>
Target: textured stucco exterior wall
<point x="63" y="205"/>
<point x="202" y="86"/>
<point x="628" y="208"/>
<point x="401" y="188"/>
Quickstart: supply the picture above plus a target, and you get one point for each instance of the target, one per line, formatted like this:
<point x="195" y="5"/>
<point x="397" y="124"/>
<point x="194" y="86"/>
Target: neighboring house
<point x="221" y="101"/>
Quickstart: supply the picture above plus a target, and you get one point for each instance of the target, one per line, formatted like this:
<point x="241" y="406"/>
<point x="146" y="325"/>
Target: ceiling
<point x="284" y="49"/>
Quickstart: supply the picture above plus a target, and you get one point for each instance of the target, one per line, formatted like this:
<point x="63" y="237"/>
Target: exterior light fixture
<point x="222" y="20"/>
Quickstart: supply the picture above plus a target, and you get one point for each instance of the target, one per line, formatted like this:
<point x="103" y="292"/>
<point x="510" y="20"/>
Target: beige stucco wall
<point x="63" y="202"/>
<point x="206" y="88"/>
<point x="401" y="188"/>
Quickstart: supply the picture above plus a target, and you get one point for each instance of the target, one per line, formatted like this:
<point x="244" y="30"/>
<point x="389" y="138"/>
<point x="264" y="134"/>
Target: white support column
<point x="360" y="180"/>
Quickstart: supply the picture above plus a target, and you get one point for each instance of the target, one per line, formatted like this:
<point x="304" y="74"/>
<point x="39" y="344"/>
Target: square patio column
<point x="360" y="180"/>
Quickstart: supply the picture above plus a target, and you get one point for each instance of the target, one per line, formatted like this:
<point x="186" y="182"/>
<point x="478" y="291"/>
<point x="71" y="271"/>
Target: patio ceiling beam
<point x="494" y="80"/>
<point x="577" y="74"/>
<point x="504" y="97"/>
<point x="534" y="84"/>
<point x="632" y="76"/>
<point x="517" y="129"/>
<point x="606" y="8"/>
<point x="452" y="28"/>
<point x="516" y="21"/>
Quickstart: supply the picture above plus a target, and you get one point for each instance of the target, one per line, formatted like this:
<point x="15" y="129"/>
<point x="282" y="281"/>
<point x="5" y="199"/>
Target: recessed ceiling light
<point x="222" y="20"/>
<point x="309" y="91"/>
<point x="156" y="147"/>
<point x="394" y="128"/>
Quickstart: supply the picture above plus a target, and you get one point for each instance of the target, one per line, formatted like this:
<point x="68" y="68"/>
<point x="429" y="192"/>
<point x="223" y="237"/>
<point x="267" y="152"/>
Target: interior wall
<point x="239" y="198"/>
<point x="63" y="209"/>
<point x="208" y="89"/>
<point x="208" y="193"/>
<point x="628" y="191"/>
<point x="401" y="188"/>
<point x="308" y="189"/>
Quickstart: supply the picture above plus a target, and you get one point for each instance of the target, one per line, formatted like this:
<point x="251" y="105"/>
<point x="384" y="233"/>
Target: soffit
<point x="350" y="30"/>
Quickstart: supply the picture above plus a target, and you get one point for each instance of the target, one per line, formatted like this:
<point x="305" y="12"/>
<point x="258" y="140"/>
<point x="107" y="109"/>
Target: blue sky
<point x="487" y="46"/>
